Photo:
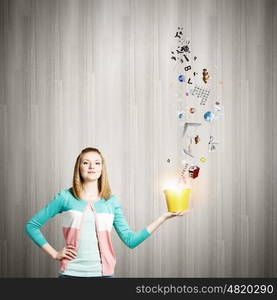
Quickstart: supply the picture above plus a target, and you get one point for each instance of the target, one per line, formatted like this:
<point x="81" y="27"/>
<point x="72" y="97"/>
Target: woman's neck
<point x="91" y="188"/>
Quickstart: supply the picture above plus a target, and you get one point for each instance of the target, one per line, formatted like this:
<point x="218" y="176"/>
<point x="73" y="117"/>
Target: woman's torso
<point x="87" y="261"/>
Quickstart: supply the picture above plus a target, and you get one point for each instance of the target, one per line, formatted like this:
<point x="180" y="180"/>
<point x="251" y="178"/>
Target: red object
<point x="194" y="171"/>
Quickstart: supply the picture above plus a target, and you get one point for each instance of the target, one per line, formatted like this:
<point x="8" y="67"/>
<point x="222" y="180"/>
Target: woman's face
<point x="91" y="166"/>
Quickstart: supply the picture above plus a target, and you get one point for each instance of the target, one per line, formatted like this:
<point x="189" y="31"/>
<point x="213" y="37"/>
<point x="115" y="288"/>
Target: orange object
<point x="206" y="75"/>
<point x="192" y="110"/>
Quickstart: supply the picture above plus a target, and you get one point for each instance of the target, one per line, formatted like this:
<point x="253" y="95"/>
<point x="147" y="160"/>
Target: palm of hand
<point x="169" y="215"/>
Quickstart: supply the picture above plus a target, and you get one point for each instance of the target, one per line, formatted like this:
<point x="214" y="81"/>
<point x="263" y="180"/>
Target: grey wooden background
<point x="98" y="73"/>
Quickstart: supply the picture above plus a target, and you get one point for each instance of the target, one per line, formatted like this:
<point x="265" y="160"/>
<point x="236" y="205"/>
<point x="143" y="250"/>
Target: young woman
<point x="89" y="211"/>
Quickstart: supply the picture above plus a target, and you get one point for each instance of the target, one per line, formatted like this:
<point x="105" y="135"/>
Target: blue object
<point x="181" y="78"/>
<point x="180" y="115"/>
<point x="209" y="116"/>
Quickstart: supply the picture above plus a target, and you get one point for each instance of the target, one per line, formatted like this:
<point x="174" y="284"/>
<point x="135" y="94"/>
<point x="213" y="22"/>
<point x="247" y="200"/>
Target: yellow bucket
<point x="177" y="200"/>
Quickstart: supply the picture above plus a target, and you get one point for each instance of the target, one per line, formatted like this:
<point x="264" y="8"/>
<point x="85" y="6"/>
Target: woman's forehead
<point x="91" y="156"/>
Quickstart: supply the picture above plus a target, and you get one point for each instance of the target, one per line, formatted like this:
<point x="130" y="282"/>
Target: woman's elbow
<point x="28" y="228"/>
<point x="132" y="245"/>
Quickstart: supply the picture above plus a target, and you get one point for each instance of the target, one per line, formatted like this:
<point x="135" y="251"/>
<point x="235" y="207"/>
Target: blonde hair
<point x="103" y="182"/>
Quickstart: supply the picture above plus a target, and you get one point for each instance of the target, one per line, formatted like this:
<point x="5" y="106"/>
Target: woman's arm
<point x="50" y="250"/>
<point x="133" y="239"/>
<point x="156" y="224"/>
<point x="32" y="227"/>
<point x="129" y="238"/>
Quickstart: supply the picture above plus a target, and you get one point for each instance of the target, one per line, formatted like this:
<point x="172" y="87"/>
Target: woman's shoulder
<point x="68" y="199"/>
<point x="64" y="194"/>
<point x="113" y="199"/>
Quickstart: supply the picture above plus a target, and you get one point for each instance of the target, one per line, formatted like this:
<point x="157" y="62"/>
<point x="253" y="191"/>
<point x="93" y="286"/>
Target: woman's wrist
<point x="153" y="226"/>
<point x="54" y="255"/>
<point x="50" y="250"/>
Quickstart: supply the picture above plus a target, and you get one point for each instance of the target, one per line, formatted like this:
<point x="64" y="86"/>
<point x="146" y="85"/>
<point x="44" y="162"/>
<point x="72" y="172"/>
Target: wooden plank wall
<point x="98" y="73"/>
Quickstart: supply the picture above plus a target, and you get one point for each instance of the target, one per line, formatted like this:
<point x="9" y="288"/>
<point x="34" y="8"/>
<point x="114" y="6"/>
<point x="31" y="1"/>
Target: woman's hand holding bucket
<point x="169" y="215"/>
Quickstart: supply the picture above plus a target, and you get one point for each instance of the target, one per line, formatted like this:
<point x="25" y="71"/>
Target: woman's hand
<point x="68" y="252"/>
<point x="169" y="215"/>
